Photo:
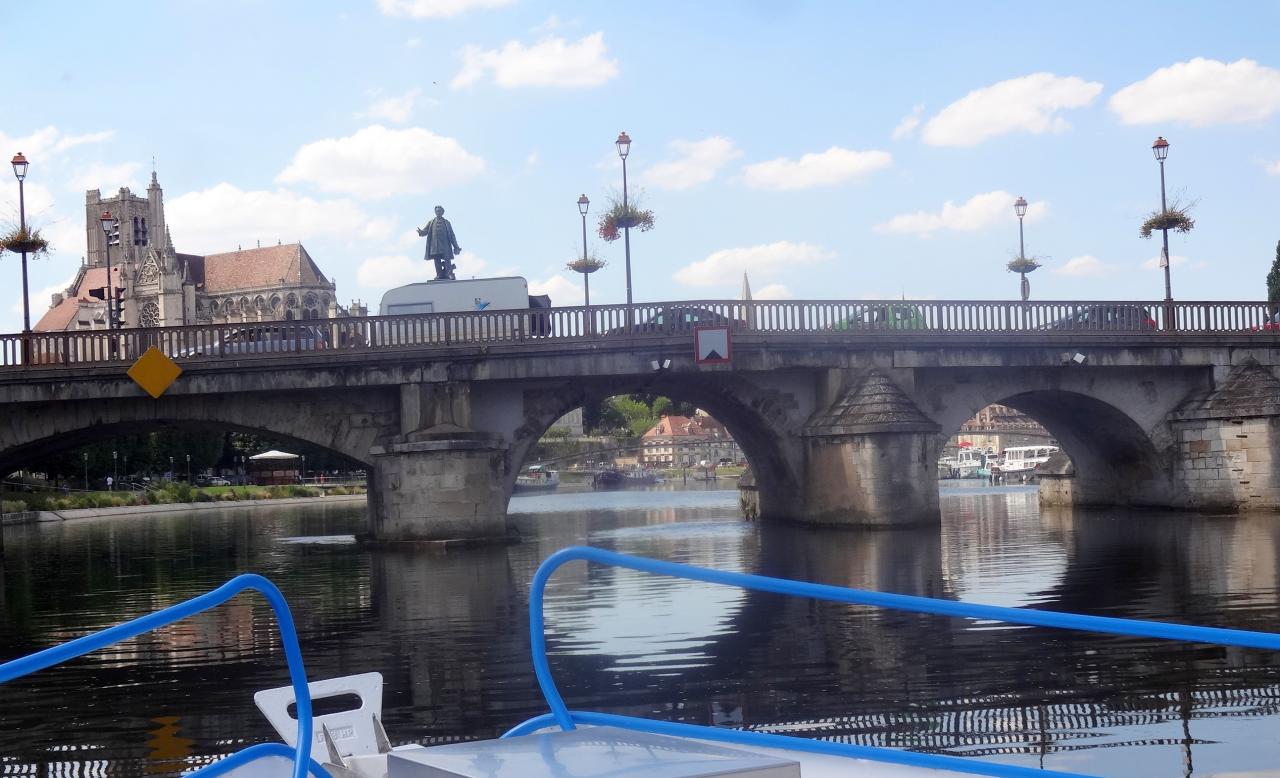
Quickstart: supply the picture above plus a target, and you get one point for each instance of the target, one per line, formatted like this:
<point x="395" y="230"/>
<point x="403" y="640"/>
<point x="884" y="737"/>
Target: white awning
<point x="273" y="455"/>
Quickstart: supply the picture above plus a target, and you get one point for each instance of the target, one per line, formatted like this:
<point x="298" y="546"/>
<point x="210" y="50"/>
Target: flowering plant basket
<point x="588" y="264"/>
<point x="1176" y="218"/>
<point x="28" y="240"/>
<point x="618" y="217"/>
<point x="1023" y="264"/>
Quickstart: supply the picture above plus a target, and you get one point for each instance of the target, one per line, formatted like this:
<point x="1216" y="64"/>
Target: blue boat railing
<point x="566" y="719"/>
<point x="303" y="764"/>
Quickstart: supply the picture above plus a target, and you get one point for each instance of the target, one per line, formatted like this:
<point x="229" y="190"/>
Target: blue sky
<point x="832" y="150"/>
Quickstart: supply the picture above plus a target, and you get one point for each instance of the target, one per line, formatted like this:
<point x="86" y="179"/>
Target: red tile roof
<point x="58" y="317"/>
<point x="260" y="268"/>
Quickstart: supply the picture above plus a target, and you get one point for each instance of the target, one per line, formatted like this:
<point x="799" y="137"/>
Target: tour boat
<point x="537" y="478"/>
<point x="351" y="743"/>
<point x="614" y="478"/>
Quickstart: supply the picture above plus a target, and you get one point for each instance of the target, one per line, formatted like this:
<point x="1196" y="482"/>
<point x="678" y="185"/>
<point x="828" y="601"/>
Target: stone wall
<point x="1229" y="463"/>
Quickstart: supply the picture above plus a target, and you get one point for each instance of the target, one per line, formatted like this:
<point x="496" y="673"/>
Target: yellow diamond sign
<point x="154" y="372"/>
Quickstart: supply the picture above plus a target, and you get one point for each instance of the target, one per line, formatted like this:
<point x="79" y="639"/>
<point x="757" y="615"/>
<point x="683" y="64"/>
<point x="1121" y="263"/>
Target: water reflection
<point x="449" y="632"/>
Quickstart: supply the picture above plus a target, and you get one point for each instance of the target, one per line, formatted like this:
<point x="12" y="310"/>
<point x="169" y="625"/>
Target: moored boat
<point x="537" y="478"/>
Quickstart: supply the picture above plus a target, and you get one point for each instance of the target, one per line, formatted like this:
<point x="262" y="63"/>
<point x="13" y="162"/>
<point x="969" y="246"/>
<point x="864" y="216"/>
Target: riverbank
<point x="176" y="509"/>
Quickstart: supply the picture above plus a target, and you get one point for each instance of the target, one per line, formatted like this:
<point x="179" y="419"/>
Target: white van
<point x="495" y="295"/>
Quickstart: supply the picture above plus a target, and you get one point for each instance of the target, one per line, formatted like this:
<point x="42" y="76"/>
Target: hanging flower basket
<point x="1022" y="265"/>
<point x="617" y="218"/>
<point x="586" y="265"/>
<point x="1175" y="219"/>
<point x="28" y="241"/>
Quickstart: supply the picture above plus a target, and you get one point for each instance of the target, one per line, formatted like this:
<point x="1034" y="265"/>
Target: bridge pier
<point x="438" y="490"/>
<point x="871" y="459"/>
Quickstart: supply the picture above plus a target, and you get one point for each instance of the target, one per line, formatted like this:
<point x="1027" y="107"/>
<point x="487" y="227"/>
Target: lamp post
<point x="171" y="468"/>
<point x="86" y="470"/>
<point x="624" y="148"/>
<point x="19" y="163"/>
<point x="1020" y="208"/>
<point x="115" y="470"/>
<point x="188" y="468"/>
<point x="304" y="469"/>
<point x="583" y="205"/>
<point x="1161" y="149"/>
<point x="110" y="234"/>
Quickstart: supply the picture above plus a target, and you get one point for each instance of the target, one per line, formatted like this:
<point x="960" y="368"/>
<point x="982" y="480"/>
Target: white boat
<point x="1022" y="461"/>
<point x="351" y="743"/>
<point x="537" y="478"/>
<point x="967" y="463"/>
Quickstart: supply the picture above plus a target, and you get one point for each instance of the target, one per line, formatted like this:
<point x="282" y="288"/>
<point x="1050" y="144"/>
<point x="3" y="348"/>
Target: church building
<point x="159" y="287"/>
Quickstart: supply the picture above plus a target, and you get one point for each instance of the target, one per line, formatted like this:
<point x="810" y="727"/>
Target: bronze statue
<point x="442" y="246"/>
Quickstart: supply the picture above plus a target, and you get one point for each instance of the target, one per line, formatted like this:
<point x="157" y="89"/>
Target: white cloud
<point x="396" y="109"/>
<point x="1027" y="104"/>
<point x="385" y="272"/>
<point x="47" y="142"/>
<point x="696" y="162"/>
<point x="413" y="43"/>
<point x="549" y="62"/>
<point x="1272" y="168"/>
<point x="562" y="290"/>
<point x="221" y="217"/>
<point x="105" y="177"/>
<point x="1086" y="266"/>
<point x="550" y="24"/>
<point x="1201" y="92"/>
<point x="830" y="167"/>
<point x="726" y="266"/>
<point x="1175" y="260"/>
<point x="378" y="162"/>
<point x="38" y="198"/>
<point x="436" y="9"/>
<point x="773" y="292"/>
<point x="909" y="123"/>
<point x="976" y="213"/>
<point x="40" y="299"/>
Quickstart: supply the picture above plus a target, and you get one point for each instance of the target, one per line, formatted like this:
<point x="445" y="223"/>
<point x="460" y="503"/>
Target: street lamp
<point x="115" y="471"/>
<point x="583" y="205"/>
<point x="188" y="468"/>
<point x="110" y="235"/>
<point x="19" y="163"/>
<point x="624" y="148"/>
<point x="171" y="468"/>
<point x="86" y="470"/>
<point x="1161" y="149"/>
<point x="1020" y="208"/>
<point x="304" y="469"/>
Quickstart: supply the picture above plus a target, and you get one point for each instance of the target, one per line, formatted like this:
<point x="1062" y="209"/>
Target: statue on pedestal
<point x="442" y="246"/>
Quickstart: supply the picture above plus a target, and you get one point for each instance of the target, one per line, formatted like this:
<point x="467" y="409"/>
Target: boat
<point x="352" y="743"/>
<point x="537" y="478"/>
<point x="613" y="478"/>
<point x="1022" y="461"/>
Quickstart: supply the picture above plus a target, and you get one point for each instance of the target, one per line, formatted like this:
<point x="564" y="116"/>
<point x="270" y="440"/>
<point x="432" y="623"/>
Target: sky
<point x="831" y="150"/>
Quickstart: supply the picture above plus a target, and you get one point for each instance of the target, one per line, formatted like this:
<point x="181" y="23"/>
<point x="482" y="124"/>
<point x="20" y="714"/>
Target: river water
<point x="449" y="632"/>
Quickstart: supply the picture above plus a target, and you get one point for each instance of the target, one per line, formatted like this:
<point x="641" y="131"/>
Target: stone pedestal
<point x="438" y="490"/>
<point x="871" y="459"/>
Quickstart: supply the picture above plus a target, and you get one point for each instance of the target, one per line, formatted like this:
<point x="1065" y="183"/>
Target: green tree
<point x="1273" y="278"/>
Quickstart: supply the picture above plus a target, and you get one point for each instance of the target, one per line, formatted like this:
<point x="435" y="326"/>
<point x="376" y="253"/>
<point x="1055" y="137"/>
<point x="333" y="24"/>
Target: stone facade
<point x="160" y="287"/>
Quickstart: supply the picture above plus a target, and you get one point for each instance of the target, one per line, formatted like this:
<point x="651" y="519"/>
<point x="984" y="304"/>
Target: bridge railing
<point x="213" y="342"/>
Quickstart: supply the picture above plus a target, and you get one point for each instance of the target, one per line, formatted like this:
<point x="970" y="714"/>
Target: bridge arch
<point x="1117" y="461"/>
<point x="40" y="432"/>
<point x="757" y="417"/>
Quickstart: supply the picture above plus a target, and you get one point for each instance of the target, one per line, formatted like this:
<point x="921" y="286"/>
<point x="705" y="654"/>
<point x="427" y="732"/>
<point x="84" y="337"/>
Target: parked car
<point x="271" y="338"/>
<point x="217" y="481"/>
<point x="680" y="319"/>
<point x="1272" y="324"/>
<point x="892" y="316"/>
<point x="1109" y="318"/>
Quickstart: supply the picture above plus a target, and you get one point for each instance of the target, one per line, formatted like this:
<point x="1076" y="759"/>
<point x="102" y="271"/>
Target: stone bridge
<point x="840" y="407"/>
